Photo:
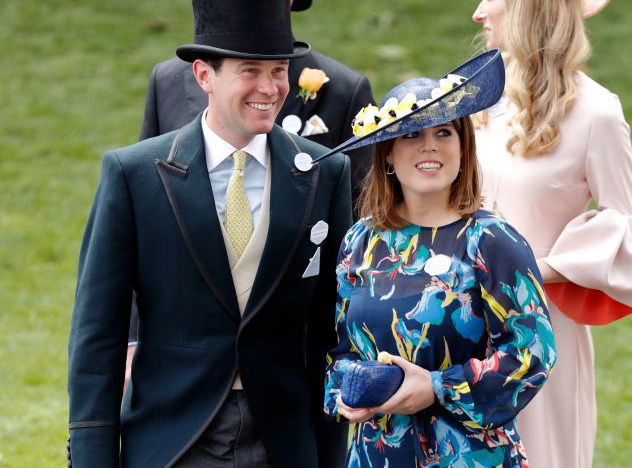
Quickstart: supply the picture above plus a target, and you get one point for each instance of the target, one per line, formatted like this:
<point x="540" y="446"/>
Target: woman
<point x="557" y="140"/>
<point x="452" y="292"/>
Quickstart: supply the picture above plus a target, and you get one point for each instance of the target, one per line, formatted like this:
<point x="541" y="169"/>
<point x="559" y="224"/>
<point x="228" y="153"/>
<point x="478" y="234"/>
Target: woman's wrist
<point x="549" y="274"/>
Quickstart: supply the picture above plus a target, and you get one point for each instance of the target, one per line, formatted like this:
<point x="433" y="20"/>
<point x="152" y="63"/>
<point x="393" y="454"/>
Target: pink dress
<point x="545" y="199"/>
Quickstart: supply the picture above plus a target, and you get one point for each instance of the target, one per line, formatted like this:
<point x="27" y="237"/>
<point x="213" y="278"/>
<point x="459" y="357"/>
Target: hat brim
<point x="192" y="52"/>
<point x="300" y="5"/>
<point x="483" y="86"/>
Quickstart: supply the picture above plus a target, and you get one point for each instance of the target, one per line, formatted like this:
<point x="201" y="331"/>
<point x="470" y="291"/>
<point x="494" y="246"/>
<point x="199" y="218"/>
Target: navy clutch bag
<point x="366" y="384"/>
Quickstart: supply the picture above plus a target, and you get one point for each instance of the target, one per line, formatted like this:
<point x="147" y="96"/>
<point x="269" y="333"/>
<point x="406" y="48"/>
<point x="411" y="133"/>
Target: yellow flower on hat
<point x="446" y="84"/>
<point x="406" y="105"/>
<point x="388" y="112"/>
<point x="366" y="120"/>
<point x="371" y="118"/>
<point x="310" y="81"/>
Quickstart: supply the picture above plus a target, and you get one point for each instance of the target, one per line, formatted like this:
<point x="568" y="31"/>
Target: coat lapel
<point x="186" y="182"/>
<point x="291" y="199"/>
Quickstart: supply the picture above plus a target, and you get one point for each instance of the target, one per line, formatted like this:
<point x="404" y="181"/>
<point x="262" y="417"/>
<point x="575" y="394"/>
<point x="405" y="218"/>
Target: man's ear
<point x="203" y="73"/>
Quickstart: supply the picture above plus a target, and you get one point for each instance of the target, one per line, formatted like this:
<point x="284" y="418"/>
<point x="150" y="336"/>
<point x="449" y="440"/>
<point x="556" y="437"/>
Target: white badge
<point x="437" y="265"/>
<point x="319" y="232"/>
<point x="292" y="123"/>
<point x="314" y="265"/>
<point x="303" y="162"/>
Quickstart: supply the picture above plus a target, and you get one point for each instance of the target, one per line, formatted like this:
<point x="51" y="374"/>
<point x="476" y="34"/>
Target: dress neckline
<point x="443" y="226"/>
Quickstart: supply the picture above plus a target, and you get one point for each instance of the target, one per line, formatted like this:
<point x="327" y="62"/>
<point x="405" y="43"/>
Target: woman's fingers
<point x="391" y="405"/>
<point x="355" y="415"/>
<point x="401" y="362"/>
<point x="415" y="392"/>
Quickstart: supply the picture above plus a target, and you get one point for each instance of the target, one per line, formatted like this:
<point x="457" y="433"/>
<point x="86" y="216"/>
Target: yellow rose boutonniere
<point x="310" y="82"/>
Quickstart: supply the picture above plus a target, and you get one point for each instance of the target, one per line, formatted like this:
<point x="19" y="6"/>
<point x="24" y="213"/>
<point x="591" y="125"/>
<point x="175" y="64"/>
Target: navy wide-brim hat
<point x="469" y="88"/>
<point x="248" y="29"/>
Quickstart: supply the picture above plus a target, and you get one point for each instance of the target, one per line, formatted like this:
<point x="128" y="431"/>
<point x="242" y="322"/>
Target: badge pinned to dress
<point x="438" y="265"/>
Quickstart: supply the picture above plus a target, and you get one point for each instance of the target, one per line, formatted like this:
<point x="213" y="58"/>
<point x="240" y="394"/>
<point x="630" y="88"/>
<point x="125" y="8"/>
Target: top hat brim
<point x="483" y="87"/>
<point x="192" y="52"/>
<point x="300" y="5"/>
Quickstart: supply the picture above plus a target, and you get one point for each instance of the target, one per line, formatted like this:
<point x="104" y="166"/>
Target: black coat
<point x="153" y="228"/>
<point x="174" y="98"/>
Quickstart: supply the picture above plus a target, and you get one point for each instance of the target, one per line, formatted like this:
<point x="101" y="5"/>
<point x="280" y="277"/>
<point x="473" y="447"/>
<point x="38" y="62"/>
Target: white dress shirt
<point x="220" y="167"/>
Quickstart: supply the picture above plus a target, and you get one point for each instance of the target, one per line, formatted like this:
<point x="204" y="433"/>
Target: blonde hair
<point x="382" y="192"/>
<point x="546" y="44"/>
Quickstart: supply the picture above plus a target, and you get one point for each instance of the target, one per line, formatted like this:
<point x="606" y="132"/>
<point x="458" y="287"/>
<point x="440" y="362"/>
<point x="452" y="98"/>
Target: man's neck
<point x="236" y="141"/>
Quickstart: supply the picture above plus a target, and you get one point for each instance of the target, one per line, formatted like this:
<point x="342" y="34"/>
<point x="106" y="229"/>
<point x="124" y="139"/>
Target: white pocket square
<point x="314" y="126"/>
<point x="313" y="268"/>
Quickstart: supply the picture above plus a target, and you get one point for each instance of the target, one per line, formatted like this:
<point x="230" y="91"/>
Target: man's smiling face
<point x="245" y="96"/>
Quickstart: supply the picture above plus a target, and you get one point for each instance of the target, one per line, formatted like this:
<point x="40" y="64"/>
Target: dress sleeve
<point x="344" y="353"/>
<point x="595" y="249"/>
<point x="520" y="350"/>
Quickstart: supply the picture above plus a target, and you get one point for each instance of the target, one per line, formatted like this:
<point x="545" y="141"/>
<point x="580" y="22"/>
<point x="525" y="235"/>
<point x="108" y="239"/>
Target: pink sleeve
<point x="595" y="249"/>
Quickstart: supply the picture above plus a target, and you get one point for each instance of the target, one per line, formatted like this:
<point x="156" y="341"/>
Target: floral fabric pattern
<point x="463" y="301"/>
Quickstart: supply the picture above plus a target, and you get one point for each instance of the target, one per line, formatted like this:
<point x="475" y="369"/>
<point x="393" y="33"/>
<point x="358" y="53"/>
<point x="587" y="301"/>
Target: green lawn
<point x="72" y="80"/>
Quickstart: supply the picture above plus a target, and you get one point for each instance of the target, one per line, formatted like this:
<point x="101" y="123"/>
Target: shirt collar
<point x="217" y="149"/>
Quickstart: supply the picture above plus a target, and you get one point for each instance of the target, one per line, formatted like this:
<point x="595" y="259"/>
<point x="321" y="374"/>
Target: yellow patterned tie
<point x="238" y="218"/>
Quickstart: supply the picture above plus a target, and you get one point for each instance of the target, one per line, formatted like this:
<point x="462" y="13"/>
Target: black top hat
<point x="300" y="5"/>
<point x="250" y="29"/>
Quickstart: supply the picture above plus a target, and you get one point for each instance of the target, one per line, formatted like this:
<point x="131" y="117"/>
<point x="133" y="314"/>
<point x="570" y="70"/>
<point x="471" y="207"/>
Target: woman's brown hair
<point x="382" y="192"/>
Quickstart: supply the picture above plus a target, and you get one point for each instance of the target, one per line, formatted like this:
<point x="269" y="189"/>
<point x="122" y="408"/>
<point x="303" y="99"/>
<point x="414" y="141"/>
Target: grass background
<point x="72" y="84"/>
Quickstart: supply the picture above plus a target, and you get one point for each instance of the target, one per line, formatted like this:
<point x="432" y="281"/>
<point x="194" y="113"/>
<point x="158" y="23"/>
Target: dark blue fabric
<point x="463" y="301"/>
<point x="369" y="383"/>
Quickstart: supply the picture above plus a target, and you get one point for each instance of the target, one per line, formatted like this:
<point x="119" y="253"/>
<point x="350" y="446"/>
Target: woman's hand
<point x="415" y="393"/>
<point x="354" y="415"/>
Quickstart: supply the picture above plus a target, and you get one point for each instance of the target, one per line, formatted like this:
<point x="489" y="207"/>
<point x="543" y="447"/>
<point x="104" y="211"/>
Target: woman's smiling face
<point x="427" y="162"/>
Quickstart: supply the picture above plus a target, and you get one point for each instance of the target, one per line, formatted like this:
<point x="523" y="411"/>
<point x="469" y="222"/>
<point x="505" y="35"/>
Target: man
<point x="174" y="99"/>
<point x="232" y="252"/>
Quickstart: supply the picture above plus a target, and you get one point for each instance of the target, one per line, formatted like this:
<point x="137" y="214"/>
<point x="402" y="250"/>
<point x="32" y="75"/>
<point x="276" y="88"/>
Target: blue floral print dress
<point x="465" y="302"/>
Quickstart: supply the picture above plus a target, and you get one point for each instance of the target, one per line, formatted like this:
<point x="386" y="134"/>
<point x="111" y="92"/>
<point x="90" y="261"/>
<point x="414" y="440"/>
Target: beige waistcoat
<point x="244" y="269"/>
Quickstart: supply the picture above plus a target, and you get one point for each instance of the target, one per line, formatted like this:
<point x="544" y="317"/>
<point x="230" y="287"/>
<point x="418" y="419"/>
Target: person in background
<point x="452" y="292"/>
<point x="554" y="142"/>
<point x="232" y="252"/>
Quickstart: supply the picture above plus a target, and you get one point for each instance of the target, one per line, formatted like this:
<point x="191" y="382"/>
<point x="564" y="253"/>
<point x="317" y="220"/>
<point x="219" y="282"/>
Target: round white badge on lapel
<point x="319" y="232"/>
<point x="437" y="265"/>
<point x="303" y="162"/>
<point x="292" y="123"/>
